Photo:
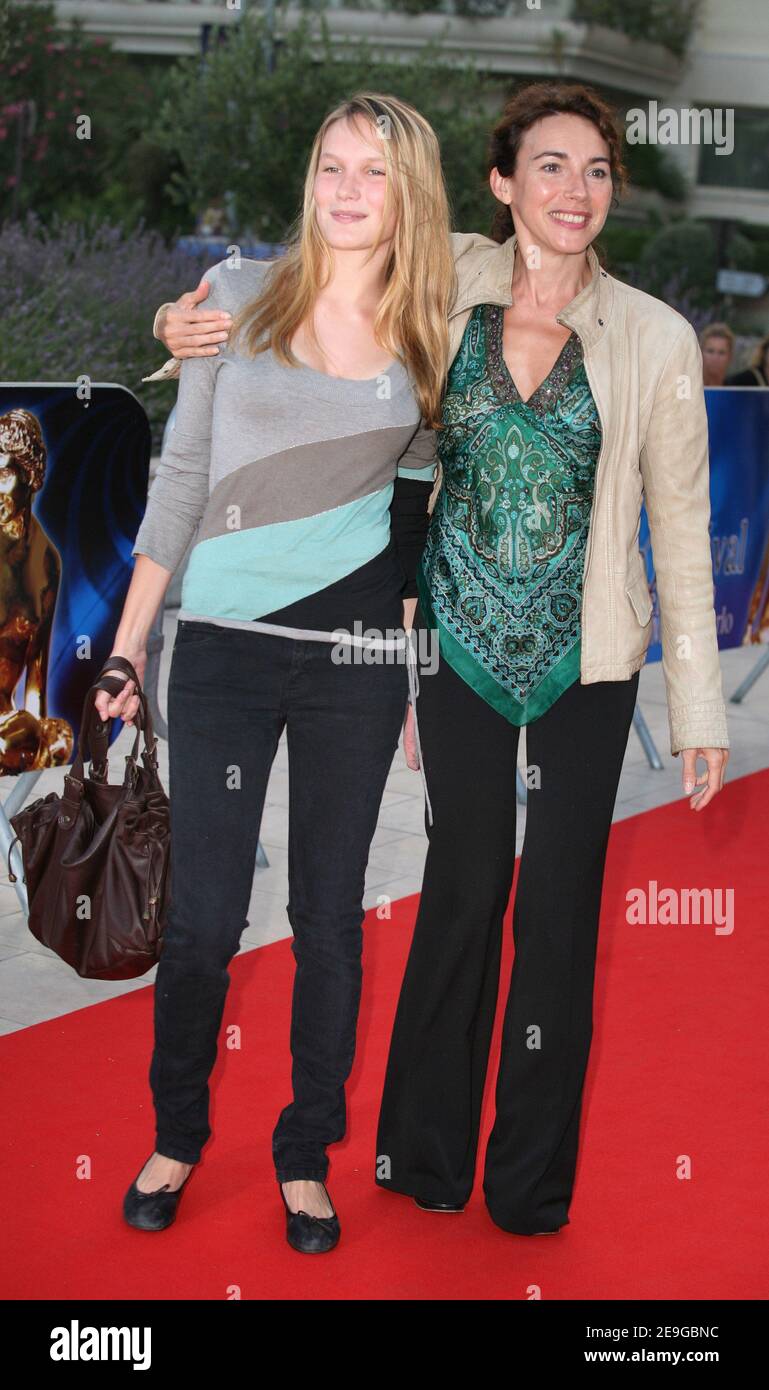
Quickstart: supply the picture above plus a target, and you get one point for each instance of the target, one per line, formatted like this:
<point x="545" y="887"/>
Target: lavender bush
<point x="79" y="301"/>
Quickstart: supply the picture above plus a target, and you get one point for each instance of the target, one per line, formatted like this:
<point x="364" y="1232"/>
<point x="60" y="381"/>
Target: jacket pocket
<point x="638" y="593"/>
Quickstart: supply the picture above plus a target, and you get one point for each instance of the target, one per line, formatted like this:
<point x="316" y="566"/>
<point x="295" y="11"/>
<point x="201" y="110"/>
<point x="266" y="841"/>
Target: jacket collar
<point x="485" y="274"/>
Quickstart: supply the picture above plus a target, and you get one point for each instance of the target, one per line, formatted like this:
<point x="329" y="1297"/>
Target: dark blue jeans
<point x="230" y="694"/>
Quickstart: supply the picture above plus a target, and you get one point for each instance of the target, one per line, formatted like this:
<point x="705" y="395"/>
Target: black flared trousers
<point x="430" y="1114"/>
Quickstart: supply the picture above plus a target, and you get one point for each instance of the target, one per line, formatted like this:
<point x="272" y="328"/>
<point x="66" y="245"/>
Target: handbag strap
<point x="93" y="739"/>
<point x="98" y="732"/>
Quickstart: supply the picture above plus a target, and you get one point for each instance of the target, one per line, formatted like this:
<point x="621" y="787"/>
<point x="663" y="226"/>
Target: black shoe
<point x="529" y="1234"/>
<point x="312" y="1235"/>
<point x="152" y="1211"/>
<point x="439" y="1206"/>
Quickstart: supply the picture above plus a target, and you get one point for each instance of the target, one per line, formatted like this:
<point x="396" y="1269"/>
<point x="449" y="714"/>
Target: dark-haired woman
<point x="569" y="395"/>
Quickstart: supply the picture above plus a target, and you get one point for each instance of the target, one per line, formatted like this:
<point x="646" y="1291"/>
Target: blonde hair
<point x="718" y="330"/>
<point x="412" y="318"/>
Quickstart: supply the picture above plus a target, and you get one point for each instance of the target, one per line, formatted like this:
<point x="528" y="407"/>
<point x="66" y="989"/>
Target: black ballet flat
<point x="152" y="1211"/>
<point x="439" y="1206"/>
<point x="311" y="1235"/>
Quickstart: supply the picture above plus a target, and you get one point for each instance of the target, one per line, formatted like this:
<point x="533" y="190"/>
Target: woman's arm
<point x="410" y="520"/>
<point x="177" y="499"/>
<point x="676" y="477"/>
<point x="409" y="516"/>
<point x="179" y="491"/>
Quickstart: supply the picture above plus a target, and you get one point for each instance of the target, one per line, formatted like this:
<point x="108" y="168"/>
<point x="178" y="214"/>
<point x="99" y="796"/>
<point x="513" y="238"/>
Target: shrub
<point x="80" y="110"/>
<point x="78" y="300"/>
<point x="685" y="252"/>
<point x="667" y="22"/>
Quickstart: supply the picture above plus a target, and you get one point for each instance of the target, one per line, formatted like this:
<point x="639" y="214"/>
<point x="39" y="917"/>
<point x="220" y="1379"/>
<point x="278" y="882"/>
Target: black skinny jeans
<point x="430" y="1115"/>
<point x="230" y="694"/>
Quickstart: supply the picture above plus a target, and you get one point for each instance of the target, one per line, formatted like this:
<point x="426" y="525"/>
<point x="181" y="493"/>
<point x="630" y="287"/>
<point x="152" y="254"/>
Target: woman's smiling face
<point x="561" y="189"/>
<point x="350" y="185"/>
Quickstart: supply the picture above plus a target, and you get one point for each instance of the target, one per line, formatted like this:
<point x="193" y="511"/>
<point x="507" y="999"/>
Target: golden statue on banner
<point x="30" y="570"/>
<point x="757" y="626"/>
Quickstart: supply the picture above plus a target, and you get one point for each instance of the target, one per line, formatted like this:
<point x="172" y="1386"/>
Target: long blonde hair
<point x="412" y="318"/>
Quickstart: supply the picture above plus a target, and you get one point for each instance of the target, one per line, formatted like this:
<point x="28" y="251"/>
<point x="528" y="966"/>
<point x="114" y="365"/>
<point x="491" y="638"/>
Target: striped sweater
<point x="308" y="492"/>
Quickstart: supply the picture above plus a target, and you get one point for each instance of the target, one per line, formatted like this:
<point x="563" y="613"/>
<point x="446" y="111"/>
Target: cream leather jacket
<point x="644" y="366"/>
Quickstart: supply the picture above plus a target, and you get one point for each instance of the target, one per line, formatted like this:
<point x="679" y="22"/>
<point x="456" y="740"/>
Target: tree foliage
<point x="72" y="114"/>
<point x="670" y="23"/>
<point x="236" y="128"/>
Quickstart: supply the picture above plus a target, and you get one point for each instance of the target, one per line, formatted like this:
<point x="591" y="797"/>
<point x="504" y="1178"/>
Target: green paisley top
<point x="501" y="573"/>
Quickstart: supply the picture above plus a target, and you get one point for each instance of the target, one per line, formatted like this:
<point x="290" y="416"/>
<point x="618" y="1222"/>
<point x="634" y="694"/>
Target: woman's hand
<point x="125" y="704"/>
<point x="191" y="332"/>
<point x="716" y="759"/>
<point x="410" y="740"/>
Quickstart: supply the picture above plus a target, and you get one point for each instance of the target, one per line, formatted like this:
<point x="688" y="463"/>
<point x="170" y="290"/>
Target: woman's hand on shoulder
<point x="188" y="331"/>
<point x="710" y="781"/>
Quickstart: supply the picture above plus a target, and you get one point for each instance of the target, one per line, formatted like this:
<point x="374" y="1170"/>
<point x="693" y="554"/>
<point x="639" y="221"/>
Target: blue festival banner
<point x="74" y="467"/>
<point x="738" y="428"/>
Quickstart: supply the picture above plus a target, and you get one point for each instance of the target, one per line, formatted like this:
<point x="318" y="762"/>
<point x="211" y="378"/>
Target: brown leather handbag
<point x="96" y="859"/>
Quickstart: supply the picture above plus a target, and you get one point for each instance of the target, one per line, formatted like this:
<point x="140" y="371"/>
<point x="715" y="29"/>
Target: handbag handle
<point x="95" y="731"/>
<point x="98" y="731"/>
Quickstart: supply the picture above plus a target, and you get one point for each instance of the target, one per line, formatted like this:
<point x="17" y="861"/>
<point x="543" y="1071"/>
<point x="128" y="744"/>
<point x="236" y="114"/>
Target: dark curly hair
<point x="530" y="104"/>
<point x="21" y="437"/>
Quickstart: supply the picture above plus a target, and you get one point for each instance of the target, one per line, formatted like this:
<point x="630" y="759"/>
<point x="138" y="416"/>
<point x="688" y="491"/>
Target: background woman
<point x="757" y="371"/>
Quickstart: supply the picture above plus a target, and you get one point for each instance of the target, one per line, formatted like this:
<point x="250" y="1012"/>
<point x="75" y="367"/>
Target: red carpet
<point x="678" y="1068"/>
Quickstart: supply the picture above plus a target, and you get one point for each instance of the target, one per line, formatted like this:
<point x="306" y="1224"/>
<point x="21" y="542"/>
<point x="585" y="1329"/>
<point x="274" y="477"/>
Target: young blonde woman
<point x="305" y="451"/>
<point x="570" y="397"/>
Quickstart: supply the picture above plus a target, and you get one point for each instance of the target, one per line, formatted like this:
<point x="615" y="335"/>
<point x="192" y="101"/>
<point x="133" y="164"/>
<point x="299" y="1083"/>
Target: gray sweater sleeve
<point x="180" y="489"/>
<point x="179" y="492"/>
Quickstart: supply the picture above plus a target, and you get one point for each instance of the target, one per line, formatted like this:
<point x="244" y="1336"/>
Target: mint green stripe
<point x="422" y="475"/>
<point x="245" y="574"/>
